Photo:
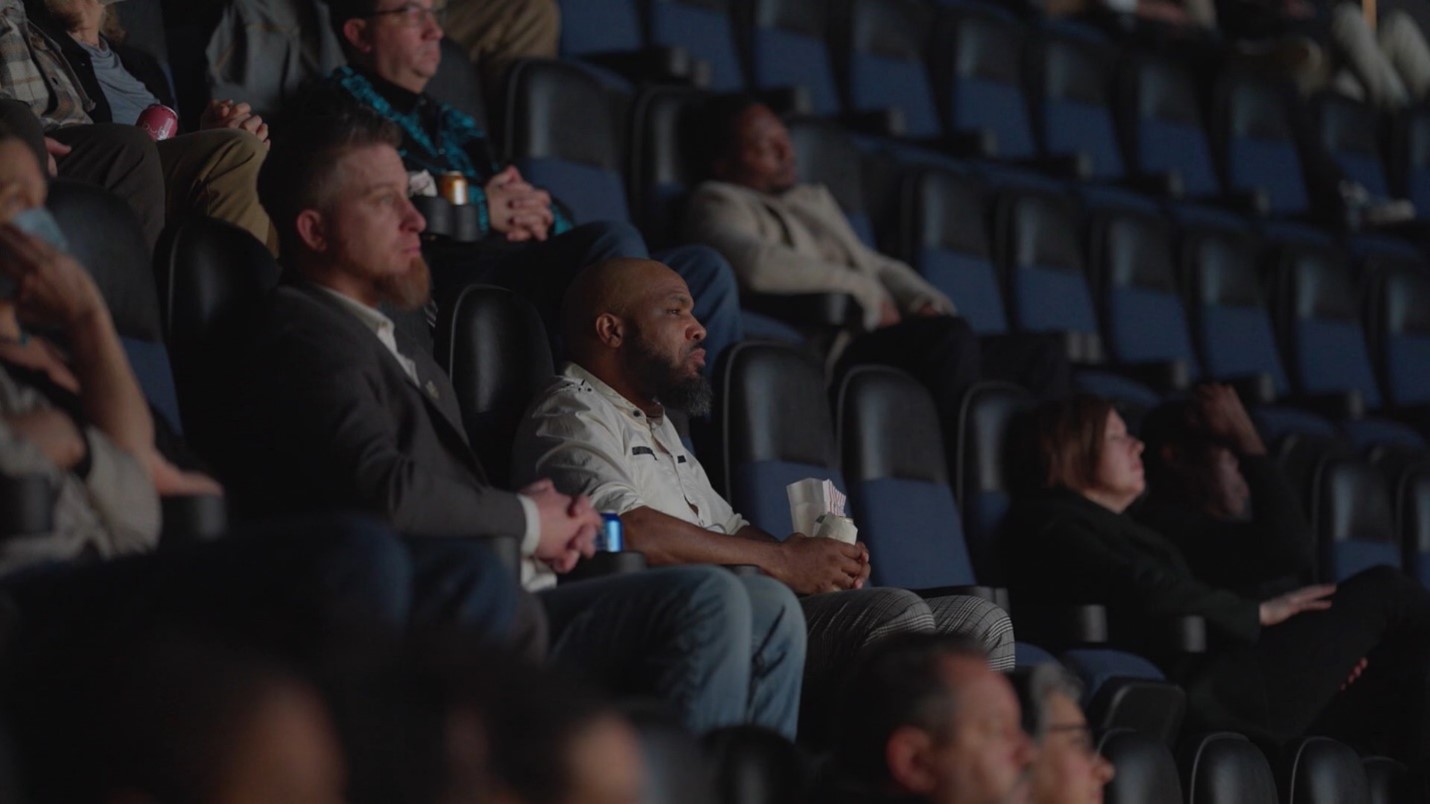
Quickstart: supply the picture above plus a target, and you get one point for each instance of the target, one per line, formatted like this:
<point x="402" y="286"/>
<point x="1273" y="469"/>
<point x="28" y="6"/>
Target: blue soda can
<point x="611" y="539"/>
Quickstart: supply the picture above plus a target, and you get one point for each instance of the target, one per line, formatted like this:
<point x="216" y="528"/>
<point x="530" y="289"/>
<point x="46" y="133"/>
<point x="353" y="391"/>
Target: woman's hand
<point x="1308" y="598"/>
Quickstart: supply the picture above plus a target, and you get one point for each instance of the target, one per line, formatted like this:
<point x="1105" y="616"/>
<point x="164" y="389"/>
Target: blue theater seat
<point x="789" y="47"/>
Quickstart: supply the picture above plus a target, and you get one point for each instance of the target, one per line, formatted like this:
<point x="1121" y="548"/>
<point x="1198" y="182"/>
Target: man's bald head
<point x="630" y="323"/>
<point x="615" y="286"/>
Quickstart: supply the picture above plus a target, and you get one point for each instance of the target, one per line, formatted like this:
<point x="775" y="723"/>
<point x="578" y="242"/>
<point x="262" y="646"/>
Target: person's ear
<point x="610" y="330"/>
<point x="312" y="230"/>
<point x="355" y="31"/>
<point x="908" y="754"/>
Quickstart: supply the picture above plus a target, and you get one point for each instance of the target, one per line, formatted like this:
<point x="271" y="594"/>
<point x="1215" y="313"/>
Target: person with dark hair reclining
<point x="783" y="236"/>
<point x="602" y="430"/>
<point x="329" y="407"/>
<point x="1216" y="494"/>
<point x="531" y="246"/>
<point x="1278" y="666"/>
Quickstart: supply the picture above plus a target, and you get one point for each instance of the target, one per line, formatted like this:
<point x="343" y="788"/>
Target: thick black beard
<point x="662" y="380"/>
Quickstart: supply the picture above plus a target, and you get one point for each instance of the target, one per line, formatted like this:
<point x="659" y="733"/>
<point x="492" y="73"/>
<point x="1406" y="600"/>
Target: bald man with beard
<point x="330" y="407"/>
<point x="601" y="431"/>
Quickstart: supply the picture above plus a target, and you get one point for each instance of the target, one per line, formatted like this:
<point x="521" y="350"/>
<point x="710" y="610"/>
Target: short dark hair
<point x="1066" y="439"/>
<point x="899" y="683"/>
<point x="711" y="132"/>
<point x="309" y="138"/>
<point x="340" y="11"/>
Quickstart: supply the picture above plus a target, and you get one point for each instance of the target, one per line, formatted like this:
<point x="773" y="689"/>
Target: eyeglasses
<point x="414" y="15"/>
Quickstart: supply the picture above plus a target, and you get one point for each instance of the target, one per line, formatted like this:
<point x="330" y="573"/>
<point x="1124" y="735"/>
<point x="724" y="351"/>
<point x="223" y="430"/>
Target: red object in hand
<point x="160" y="121"/>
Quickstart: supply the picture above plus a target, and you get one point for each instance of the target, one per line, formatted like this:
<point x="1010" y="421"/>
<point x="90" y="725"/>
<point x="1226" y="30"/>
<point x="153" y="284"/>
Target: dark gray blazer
<point x="327" y="418"/>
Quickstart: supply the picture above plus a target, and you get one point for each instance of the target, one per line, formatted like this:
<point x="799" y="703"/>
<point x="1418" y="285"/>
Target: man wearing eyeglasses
<point x="529" y="243"/>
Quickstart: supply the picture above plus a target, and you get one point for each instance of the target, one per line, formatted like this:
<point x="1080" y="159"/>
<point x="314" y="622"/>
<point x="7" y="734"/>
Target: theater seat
<point x="1349" y="130"/>
<point x="978" y="78"/>
<point x="1389" y="781"/>
<point x="563" y="132"/>
<point x="207" y="269"/>
<point x="493" y="346"/>
<point x="789" y="47"/>
<point x="986" y="470"/>
<point x="1161" y="121"/>
<point x="883" y="62"/>
<point x="1317" y="306"/>
<point x="1146" y="769"/>
<point x="774" y="428"/>
<point x="1225" y="768"/>
<point x="704" y="28"/>
<point x="104" y="236"/>
<point x="1257" y="145"/>
<point x="944" y="236"/>
<point x="1144" y="324"/>
<point x="1354" y="519"/>
<point x="1398" y="320"/>
<point x="893" y="457"/>
<point x="829" y="156"/>
<point x="1319" y="770"/>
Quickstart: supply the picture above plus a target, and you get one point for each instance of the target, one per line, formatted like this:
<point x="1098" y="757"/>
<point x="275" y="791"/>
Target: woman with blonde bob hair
<point x="1275" y="668"/>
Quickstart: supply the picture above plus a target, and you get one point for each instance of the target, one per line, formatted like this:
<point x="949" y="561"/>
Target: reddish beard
<point x="409" y="290"/>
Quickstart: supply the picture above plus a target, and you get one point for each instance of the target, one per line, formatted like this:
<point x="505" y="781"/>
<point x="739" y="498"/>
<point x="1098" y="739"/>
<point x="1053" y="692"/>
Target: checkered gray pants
<point x="843" y="624"/>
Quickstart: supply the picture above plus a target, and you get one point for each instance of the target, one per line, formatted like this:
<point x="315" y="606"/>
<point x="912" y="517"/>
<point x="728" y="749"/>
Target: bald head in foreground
<point x="629" y="322"/>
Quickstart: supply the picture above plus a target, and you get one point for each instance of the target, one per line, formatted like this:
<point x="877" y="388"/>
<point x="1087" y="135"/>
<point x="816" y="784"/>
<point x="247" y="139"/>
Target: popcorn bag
<point x="816" y="508"/>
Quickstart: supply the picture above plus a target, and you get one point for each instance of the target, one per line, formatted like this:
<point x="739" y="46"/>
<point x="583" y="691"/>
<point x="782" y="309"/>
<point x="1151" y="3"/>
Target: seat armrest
<point x="193" y="518"/>
<point x="791" y="100"/>
<point x="877" y="122"/>
<point x="806" y="309"/>
<point x="1187" y="635"/>
<point x="1065" y="626"/>
<point x="27" y="505"/>
<point x="1164" y="376"/>
<point x="988" y="593"/>
<point x="1081" y="348"/>
<point x="1256" y="203"/>
<point x="1065" y="166"/>
<point x="602" y="565"/>
<point x="667" y="65"/>
<point x="975" y="143"/>
<point x="1254" y="389"/>
<point x="1167" y="184"/>
<point x="1347" y="405"/>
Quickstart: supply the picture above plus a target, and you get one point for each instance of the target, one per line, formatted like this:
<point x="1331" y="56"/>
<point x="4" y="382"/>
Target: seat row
<point x="1327" y="329"/>
<point x="978" y="81"/>
<point x="775" y="423"/>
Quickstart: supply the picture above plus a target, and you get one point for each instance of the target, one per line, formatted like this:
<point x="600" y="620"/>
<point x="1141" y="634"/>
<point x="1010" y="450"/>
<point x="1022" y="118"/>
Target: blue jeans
<point x="723" y="650"/>
<point x="297" y="586"/>
<point x="541" y="272"/>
